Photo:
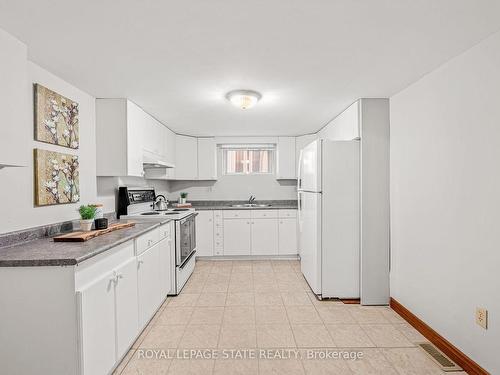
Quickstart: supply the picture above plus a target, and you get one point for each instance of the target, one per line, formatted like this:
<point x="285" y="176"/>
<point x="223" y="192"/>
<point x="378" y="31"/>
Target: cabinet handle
<point x="139" y="262"/>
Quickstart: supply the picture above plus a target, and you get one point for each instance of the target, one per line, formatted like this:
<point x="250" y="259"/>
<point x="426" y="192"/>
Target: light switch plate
<point x="482" y="317"/>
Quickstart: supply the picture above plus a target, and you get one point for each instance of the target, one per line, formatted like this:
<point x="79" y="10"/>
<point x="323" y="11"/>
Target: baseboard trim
<point x="350" y="301"/>
<point x="447" y="347"/>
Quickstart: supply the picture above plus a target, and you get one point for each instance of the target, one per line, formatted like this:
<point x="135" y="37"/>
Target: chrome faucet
<point x="251" y="199"/>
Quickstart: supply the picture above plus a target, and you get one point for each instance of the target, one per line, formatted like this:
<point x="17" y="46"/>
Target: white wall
<point x="445" y="199"/>
<point x="344" y="127"/>
<point x="264" y="187"/>
<point x="17" y="184"/>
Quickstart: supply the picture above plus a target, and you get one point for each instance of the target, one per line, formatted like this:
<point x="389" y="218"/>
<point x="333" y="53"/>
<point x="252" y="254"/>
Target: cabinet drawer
<point x="144" y="242"/>
<point x="264" y="214"/>
<point x="237" y="214"/>
<point x="287" y="213"/>
<point x="165" y="231"/>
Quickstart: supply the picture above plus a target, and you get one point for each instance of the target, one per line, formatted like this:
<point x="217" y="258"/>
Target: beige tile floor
<point x="254" y="305"/>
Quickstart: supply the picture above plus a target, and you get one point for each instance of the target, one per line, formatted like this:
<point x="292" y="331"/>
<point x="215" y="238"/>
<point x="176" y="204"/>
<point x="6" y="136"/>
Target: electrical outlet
<point x="482" y="317"/>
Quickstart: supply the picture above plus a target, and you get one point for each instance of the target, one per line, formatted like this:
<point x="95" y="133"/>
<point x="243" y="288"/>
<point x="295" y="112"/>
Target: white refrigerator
<point x="329" y="217"/>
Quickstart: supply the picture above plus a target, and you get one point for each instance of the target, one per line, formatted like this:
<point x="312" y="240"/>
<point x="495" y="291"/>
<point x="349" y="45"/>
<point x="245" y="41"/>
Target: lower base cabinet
<point x="237" y="237"/>
<point x="148" y="284"/>
<point x="264" y="237"/>
<point x="127" y="314"/>
<point x="82" y="319"/>
<point x="259" y="233"/>
<point x="205" y="233"/>
<point x="166" y="261"/>
<point x="96" y="307"/>
<point x="288" y="243"/>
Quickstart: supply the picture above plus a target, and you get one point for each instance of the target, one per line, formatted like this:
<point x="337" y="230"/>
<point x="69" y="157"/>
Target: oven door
<point x="185" y="239"/>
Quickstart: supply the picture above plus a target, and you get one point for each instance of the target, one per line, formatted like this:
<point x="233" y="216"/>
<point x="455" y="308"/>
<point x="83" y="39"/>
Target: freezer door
<point x="310" y="167"/>
<point x="310" y="238"/>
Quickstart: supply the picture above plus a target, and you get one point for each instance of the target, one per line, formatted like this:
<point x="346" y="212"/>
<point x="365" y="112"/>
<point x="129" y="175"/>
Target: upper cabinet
<point x="154" y="138"/>
<point x="126" y="137"/>
<point x="186" y="158"/>
<point x="207" y="159"/>
<point x="301" y="142"/>
<point x="120" y="126"/>
<point x="14" y="101"/>
<point x="285" y="165"/>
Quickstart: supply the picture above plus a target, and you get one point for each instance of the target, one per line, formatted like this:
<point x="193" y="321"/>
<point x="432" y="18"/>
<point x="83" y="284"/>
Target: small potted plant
<point x="87" y="214"/>
<point x="183" y="198"/>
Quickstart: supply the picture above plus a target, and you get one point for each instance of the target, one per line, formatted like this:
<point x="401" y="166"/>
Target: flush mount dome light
<point x="243" y="99"/>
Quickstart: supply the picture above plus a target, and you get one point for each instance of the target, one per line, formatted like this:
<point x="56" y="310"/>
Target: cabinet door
<point x="288" y="236"/>
<point x="136" y="123"/>
<point x="205" y="233"/>
<point x="96" y="308"/>
<point x="264" y="236"/>
<point x="166" y="266"/>
<point x="207" y="159"/>
<point x="286" y="158"/>
<point x="148" y="283"/>
<point x="186" y="158"/>
<point x="127" y="324"/>
<point x="169" y="152"/>
<point x="300" y="143"/>
<point x="237" y="235"/>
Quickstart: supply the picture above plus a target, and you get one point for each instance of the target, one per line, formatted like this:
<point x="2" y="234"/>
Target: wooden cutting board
<point x="85" y="236"/>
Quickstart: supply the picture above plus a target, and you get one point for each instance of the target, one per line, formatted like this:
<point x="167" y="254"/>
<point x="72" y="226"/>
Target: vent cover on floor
<point x="439" y="357"/>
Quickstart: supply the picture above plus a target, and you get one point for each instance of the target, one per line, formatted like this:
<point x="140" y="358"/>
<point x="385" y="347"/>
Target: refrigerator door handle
<point x="299" y="172"/>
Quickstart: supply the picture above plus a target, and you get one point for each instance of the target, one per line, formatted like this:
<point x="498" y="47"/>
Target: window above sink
<point x="245" y="159"/>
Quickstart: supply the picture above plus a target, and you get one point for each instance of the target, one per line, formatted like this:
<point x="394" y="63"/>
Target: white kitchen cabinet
<point x="237" y="237"/>
<point x="186" y="158"/>
<point x="207" y="159"/>
<point x="166" y="266"/>
<point x="169" y="137"/>
<point x="126" y="306"/>
<point x="287" y="228"/>
<point x="148" y="284"/>
<point x="14" y="100"/>
<point x="154" y="139"/>
<point x="96" y="301"/>
<point x="120" y="125"/>
<point x="300" y="143"/>
<point x="264" y="237"/>
<point x="96" y="312"/>
<point x="205" y="233"/>
<point x="285" y="163"/>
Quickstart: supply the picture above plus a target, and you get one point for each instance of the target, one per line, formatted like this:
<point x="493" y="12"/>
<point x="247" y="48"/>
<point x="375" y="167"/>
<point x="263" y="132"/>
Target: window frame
<point x="271" y="148"/>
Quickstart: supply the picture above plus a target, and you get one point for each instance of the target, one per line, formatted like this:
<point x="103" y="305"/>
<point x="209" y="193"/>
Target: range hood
<point x="151" y="162"/>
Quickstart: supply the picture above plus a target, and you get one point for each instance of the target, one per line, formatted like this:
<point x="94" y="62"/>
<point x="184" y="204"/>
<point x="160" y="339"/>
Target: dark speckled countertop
<point x="46" y="252"/>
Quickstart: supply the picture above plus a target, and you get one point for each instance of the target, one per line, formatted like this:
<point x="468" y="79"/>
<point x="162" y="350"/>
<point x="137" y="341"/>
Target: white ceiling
<point x="309" y="58"/>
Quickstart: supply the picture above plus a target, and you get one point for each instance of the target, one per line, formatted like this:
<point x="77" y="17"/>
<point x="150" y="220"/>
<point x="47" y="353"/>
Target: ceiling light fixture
<point x="243" y="99"/>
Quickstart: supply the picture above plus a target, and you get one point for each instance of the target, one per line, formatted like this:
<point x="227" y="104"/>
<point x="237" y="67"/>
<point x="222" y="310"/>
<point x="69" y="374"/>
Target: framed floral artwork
<point x="56" y="178"/>
<point x="56" y="118"/>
